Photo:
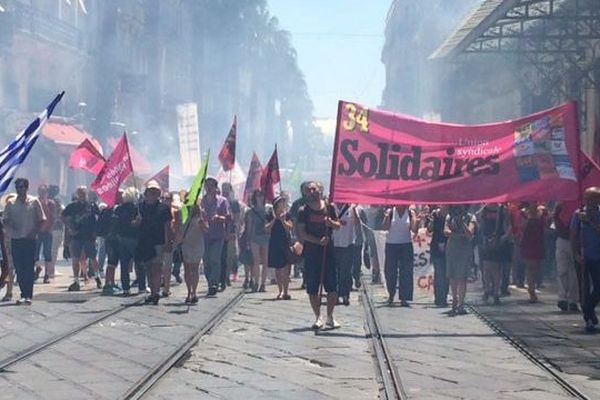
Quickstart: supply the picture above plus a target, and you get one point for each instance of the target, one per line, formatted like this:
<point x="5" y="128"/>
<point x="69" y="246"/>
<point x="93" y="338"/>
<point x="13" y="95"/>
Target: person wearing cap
<point x="80" y="219"/>
<point x="585" y="242"/>
<point x="280" y="227"/>
<point x="217" y="212"/>
<point x="316" y="220"/>
<point x="154" y="237"/>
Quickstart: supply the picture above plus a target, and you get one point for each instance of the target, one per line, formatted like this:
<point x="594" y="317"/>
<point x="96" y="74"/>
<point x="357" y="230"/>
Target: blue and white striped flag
<point x="13" y="155"/>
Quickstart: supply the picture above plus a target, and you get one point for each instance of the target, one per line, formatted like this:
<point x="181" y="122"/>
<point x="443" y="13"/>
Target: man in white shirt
<point x="23" y="216"/>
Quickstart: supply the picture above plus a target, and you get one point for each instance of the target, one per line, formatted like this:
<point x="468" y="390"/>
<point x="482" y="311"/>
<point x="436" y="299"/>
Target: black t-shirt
<point x="124" y="215"/>
<point x="314" y="221"/>
<point x="104" y="224"/>
<point x="82" y="218"/>
<point x="154" y="218"/>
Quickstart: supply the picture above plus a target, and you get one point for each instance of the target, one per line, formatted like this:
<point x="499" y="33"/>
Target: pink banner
<point x="117" y="168"/>
<point x="87" y="157"/>
<point x="384" y="158"/>
<point x="589" y="173"/>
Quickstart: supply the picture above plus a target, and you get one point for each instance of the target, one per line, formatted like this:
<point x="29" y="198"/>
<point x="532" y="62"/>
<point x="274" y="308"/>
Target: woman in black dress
<point x="280" y="227"/>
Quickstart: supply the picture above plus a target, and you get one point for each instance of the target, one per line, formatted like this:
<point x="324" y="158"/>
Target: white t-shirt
<point x="344" y="236"/>
<point x="399" y="232"/>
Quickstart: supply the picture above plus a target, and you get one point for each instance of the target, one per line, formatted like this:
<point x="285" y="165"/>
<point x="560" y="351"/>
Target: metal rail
<point x="36" y="348"/>
<point x="392" y="385"/>
<point x="144" y="384"/>
<point x="538" y="361"/>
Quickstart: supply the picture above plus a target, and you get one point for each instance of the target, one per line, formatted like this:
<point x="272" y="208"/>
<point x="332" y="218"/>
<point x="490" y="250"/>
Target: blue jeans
<point x="126" y="252"/>
<point x="212" y="261"/>
<point x="24" y="261"/>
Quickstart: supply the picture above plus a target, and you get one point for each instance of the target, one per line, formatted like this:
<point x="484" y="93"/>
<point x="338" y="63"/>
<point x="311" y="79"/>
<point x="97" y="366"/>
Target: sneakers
<point x="38" y="271"/>
<point x="589" y="327"/>
<point x="331" y="323"/>
<point x="98" y="283"/>
<point x="46" y="279"/>
<point x="6" y="298"/>
<point x="496" y="300"/>
<point x="178" y="279"/>
<point x="346" y="300"/>
<point x="404" y="303"/>
<point x="75" y="287"/>
<point x="262" y="289"/>
<point x="318" y="323"/>
<point x="563" y="305"/>
<point x="245" y="285"/>
<point x="152" y="299"/>
<point x="126" y="293"/>
<point x="222" y="287"/>
<point x="212" y="291"/>
<point x="165" y="294"/>
<point x="109" y="290"/>
<point x="461" y="311"/>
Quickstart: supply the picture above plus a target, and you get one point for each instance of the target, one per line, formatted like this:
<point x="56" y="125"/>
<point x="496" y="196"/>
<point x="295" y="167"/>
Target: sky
<point x="339" y="46"/>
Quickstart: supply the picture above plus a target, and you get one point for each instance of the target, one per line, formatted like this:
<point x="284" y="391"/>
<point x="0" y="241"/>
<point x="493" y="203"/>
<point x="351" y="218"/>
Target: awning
<point x="141" y="166"/>
<point x="526" y="26"/>
<point x="67" y="135"/>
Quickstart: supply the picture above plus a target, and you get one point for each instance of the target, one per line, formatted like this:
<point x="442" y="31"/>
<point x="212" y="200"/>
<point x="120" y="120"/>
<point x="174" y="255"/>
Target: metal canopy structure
<point x="527" y="26"/>
<point x="557" y="40"/>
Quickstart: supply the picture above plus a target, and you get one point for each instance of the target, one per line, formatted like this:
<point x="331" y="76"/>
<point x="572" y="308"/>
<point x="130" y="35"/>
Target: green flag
<point x="195" y="190"/>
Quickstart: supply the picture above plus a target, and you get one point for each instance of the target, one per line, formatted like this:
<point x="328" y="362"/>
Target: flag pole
<point x="278" y="171"/>
<point x="135" y="185"/>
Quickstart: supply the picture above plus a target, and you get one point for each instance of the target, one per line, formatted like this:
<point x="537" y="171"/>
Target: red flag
<point x="117" y="168"/>
<point x="270" y="176"/>
<point x="162" y="177"/>
<point x="253" y="179"/>
<point x="589" y="175"/>
<point x="227" y="153"/>
<point x="87" y="157"/>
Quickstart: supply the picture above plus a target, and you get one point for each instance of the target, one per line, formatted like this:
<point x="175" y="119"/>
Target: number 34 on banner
<point x="356" y="117"/>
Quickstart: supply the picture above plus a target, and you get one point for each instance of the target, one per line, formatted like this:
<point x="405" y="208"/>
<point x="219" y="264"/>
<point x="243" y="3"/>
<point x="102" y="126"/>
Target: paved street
<point x="265" y="348"/>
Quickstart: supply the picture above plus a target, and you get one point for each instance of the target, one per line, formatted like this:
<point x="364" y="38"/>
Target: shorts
<point x="44" y="243"/>
<point x="157" y="260"/>
<point x="79" y="247"/>
<point x="112" y="251"/>
<point x="313" y="267"/>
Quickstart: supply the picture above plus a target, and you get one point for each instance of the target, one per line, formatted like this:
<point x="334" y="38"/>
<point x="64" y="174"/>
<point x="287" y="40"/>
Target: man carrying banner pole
<point x="315" y="223"/>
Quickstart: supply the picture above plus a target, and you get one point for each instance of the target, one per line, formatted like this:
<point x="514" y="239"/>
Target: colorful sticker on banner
<point x="558" y="133"/>
<point x="527" y="169"/>
<point x="559" y="148"/>
<point x="524" y="148"/>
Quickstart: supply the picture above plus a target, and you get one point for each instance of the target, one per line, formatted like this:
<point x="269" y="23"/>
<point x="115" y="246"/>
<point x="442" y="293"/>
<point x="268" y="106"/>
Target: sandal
<point x="279" y="296"/>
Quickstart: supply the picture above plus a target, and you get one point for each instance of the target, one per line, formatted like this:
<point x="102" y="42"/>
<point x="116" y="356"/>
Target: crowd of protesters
<point x="326" y="243"/>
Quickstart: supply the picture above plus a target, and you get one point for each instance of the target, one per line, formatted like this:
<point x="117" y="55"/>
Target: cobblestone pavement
<point x="266" y="350"/>
<point x="554" y="335"/>
<point x="441" y="357"/>
<point x="104" y="360"/>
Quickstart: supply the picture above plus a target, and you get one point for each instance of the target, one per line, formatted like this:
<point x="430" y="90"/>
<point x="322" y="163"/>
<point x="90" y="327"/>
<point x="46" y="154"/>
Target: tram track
<point x="530" y="355"/>
<point x="140" y="388"/>
<point x="386" y="370"/>
<point x="39" y="347"/>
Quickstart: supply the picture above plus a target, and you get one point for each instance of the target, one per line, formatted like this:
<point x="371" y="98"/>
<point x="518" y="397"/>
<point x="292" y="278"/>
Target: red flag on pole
<point x="253" y="178"/>
<point x="227" y="153"/>
<point x="117" y="168"/>
<point x="87" y="157"/>
<point x="589" y="175"/>
<point x="270" y="176"/>
<point x="162" y="177"/>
